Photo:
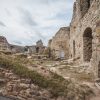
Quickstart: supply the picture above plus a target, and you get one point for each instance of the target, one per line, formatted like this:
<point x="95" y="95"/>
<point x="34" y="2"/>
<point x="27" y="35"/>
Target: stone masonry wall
<point x="77" y="30"/>
<point x="4" y="45"/>
<point x="83" y="37"/>
<point x="60" y="43"/>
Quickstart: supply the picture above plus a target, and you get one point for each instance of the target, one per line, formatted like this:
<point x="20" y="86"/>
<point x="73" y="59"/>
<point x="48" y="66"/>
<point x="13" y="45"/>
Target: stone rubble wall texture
<point x="83" y="48"/>
<point x="4" y="43"/>
<point x="88" y="17"/>
<point x="20" y="88"/>
<point x="38" y="48"/>
<point x="60" y="43"/>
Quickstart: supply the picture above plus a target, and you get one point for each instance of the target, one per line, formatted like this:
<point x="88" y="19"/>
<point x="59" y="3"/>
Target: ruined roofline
<point x="2" y="37"/>
<point x="82" y="0"/>
<point x="65" y="28"/>
<point x="81" y="3"/>
<point x="30" y="45"/>
<point x="16" y="45"/>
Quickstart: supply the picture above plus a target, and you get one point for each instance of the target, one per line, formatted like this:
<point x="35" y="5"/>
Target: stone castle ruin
<point x="80" y="41"/>
<point x="84" y="36"/>
<point x="34" y="49"/>
<point x="60" y="43"/>
<point x="4" y="44"/>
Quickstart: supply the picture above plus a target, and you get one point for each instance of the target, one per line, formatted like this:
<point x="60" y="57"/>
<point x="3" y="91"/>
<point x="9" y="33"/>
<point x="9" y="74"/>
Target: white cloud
<point x="25" y="21"/>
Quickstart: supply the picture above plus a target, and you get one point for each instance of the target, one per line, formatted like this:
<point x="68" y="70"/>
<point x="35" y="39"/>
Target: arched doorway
<point x="62" y="54"/>
<point x="37" y="49"/>
<point x="87" y="44"/>
<point x="88" y="3"/>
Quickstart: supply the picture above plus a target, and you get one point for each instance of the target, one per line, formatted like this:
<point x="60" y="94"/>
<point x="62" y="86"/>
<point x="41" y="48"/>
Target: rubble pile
<point x="20" y="88"/>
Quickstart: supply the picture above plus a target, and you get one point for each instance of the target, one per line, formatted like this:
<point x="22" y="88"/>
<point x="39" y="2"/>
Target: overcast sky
<point x="23" y="22"/>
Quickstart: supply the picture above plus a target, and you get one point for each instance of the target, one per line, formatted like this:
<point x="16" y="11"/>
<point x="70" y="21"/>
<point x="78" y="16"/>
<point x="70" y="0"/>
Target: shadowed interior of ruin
<point x="87" y="44"/>
<point x="99" y="69"/>
<point x="37" y="50"/>
<point x="74" y="48"/>
<point x="85" y="5"/>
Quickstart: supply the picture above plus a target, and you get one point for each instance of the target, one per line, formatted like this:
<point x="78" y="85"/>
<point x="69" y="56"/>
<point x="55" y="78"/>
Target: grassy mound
<point x="57" y="85"/>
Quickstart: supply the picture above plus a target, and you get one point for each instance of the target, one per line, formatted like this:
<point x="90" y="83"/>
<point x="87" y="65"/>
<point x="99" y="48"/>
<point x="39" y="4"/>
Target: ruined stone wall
<point x="49" y="43"/>
<point x="87" y="19"/>
<point x="4" y="45"/>
<point x="84" y="40"/>
<point x="40" y="47"/>
<point x="60" y="43"/>
<point x="17" y="48"/>
<point x="36" y="49"/>
<point x="39" y="43"/>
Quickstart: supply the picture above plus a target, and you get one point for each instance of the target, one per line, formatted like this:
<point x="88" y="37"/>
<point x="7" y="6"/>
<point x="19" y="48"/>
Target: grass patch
<point x="85" y="76"/>
<point x="57" y="85"/>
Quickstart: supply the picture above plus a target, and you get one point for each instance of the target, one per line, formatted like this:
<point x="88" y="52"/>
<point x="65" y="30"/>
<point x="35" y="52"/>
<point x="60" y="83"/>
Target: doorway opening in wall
<point x="87" y="44"/>
<point x="37" y="49"/>
<point x="99" y="70"/>
<point x="74" y="51"/>
<point x="62" y="54"/>
<point x="88" y="1"/>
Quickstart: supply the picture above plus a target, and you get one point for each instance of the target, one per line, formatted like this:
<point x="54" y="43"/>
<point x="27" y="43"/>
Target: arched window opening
<point x="87" y="44"/>
<point x="84" y="6"/>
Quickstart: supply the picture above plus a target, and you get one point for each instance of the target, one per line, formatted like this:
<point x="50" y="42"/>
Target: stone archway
<point x="37" y="49"/>
<point x="88" y="3"/>
<point x="87" y="44"/>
